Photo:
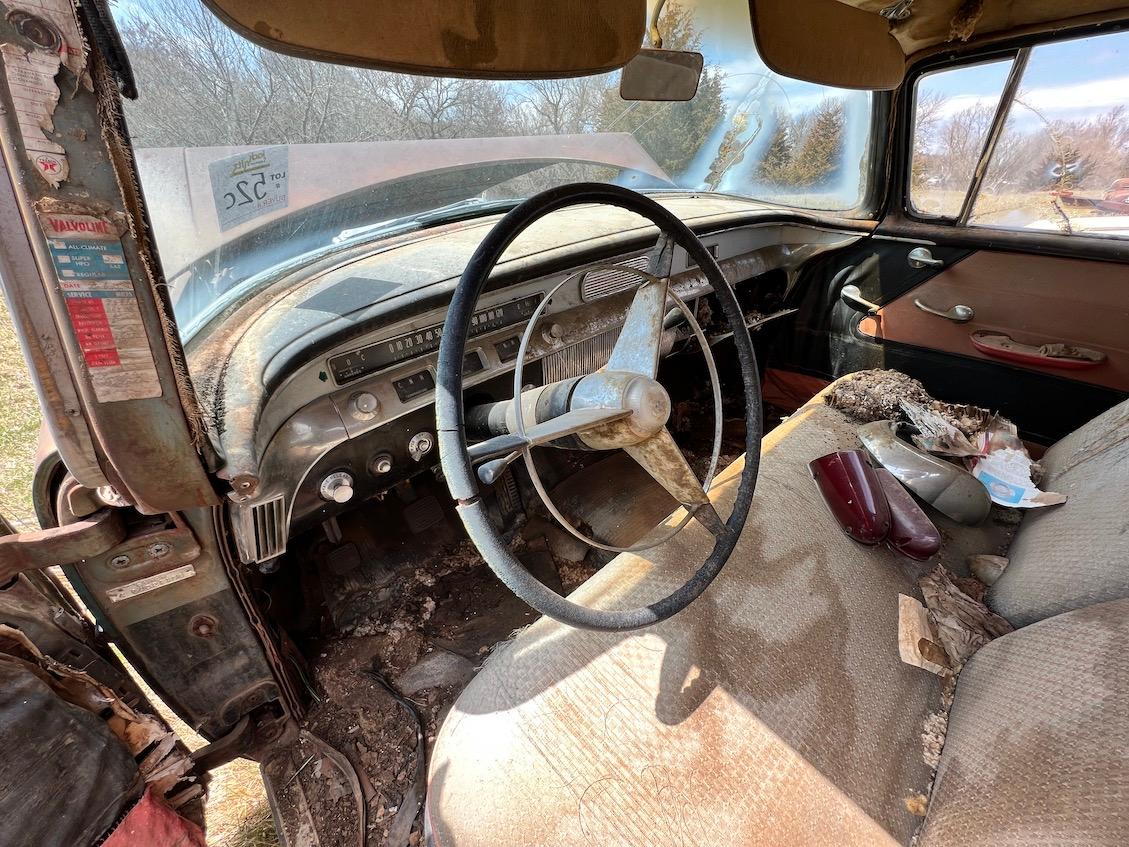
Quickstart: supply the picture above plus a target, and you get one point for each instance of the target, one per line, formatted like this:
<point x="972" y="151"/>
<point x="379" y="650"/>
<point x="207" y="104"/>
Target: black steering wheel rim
<point x="451" y="430"/>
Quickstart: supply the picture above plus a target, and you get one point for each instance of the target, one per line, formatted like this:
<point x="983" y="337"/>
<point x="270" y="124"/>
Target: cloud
<point x="1097" y="95"/>
<point x="1072" y="100"/>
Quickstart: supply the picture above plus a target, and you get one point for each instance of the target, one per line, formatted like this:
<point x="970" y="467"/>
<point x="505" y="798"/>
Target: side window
<point x="1061" y="159"/>
<point x="953" y="111"/>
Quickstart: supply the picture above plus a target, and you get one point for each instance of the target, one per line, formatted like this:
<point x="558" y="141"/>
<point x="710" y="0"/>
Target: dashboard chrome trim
<point x="308" y="415"/>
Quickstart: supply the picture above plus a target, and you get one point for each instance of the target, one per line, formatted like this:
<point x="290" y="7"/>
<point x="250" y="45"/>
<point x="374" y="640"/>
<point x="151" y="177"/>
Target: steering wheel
<point x="622" y="406"/>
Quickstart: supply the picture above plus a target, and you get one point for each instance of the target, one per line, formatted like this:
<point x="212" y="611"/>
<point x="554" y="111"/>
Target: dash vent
<point x="261" y="530"/>
<point x="605" y="282"/>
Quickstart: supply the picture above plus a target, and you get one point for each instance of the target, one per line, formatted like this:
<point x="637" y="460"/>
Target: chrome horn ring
<point x="519" y="412"/>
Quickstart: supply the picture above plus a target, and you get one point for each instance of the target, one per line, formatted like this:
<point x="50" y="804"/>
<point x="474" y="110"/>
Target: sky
<point x="1067" y="80"/>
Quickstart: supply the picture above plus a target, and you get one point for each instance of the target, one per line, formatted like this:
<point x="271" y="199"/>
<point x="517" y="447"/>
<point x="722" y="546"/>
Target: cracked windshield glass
<point x="251" y="161"/>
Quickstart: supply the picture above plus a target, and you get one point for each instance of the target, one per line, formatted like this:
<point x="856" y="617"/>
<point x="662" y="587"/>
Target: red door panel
<point x="1034" y="300"/>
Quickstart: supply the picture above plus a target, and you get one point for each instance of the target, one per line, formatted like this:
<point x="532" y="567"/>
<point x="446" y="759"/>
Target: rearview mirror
<point x="661" y="75"/>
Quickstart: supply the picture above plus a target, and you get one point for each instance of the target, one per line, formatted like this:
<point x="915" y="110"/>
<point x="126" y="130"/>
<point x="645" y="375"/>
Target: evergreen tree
<point x="672" y="133"/>
<point x="819" y="157"/>
<point x="776" y="166"/>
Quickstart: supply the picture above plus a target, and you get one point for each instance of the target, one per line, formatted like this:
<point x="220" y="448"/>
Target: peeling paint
<point x="51" y="40"/>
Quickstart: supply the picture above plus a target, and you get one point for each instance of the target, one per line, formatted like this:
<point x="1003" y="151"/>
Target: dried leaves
<point x="876" y="395"/>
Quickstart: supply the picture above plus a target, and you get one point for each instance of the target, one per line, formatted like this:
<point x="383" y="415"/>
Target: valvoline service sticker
<point x="102" y="305"/>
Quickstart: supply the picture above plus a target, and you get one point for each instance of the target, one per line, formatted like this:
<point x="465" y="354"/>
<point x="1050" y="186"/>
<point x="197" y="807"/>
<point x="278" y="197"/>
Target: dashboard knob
<point x="420" y="445"/>
<point x="364" y="405"/>
<point x="381" y="464"/>
<point x="337" y="487"/>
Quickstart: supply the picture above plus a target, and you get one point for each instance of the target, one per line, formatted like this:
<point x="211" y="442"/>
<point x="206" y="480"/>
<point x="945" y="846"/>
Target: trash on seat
<point x="917" y="638"/>
<point x="986" y="567"/>
<point x="1005" y="468"/>
<point x="937" y="435"/>
<point x="963" y="623"/>
<point x="945" y="486"/>
<point x="991" y="447"/>
<point x="853" y="495"/>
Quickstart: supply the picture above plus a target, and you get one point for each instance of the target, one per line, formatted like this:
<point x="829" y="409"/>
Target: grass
<point x="1005" y="209"/>
<point x="19" y="429"/>
<point x="237" y="811"/>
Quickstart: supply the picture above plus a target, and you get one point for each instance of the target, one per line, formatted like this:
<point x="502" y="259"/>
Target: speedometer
<point x="355" y="364"/>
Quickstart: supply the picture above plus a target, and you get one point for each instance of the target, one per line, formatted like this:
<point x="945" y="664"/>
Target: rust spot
<point x="203" y="626"/>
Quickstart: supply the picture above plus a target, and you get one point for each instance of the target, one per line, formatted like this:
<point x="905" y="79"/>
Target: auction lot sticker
<point x="94" y="279"/>
<point x="248" y="185"/>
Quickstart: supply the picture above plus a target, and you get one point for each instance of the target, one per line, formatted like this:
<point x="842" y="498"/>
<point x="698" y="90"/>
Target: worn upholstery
<point x="1071" y="556"/>
<point x="774" y="710"/>
<point x="1038" y="743"/>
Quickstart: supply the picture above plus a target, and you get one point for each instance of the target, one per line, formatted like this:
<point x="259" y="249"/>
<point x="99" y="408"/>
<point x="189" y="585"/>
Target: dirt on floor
<point x="380" y="692"/>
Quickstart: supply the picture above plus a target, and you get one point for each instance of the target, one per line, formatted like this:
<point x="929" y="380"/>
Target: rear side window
<point x="1053" y="144"/>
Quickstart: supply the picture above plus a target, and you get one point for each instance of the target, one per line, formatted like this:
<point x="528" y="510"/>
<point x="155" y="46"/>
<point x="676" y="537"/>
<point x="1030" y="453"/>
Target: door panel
<point x="829" y="339"/>
<point x="1033" y="299"/>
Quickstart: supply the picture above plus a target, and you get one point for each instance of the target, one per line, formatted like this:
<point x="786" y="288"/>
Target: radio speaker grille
<point x="578" y="359"/>
<point x="603" y="283"/>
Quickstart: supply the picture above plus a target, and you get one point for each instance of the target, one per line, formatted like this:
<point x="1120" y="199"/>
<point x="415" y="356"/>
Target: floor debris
<point x="963" y="623"/>
<point x="383" y="689"/>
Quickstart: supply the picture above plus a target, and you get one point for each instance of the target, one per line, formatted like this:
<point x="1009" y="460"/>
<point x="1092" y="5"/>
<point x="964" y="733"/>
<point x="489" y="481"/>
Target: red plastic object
<point x="853" y="494"/>
<point x="1025" y="354"/>
<point x="151" y="823"/>
<point x="911" y="532"/>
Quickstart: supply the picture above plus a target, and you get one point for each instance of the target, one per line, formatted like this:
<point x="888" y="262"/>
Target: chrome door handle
<point x="957" y="314"/>
<point x="853" y="298"/>
<point x="920" y="257"/>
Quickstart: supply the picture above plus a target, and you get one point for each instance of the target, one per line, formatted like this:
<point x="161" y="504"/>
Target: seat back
<point x="1077" y="554"/>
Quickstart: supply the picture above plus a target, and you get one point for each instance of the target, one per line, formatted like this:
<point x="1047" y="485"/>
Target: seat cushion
<point x="1077" y="554"/>
<point x="774" y="710"/>
<point x="1037" y="751"/>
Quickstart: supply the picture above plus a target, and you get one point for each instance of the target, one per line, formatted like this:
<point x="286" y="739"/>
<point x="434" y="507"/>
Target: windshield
<point x="251" y="160"/>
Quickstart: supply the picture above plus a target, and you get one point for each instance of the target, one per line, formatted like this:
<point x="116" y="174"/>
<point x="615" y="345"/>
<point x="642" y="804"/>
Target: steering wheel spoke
<point x="661" y="258"/>
<point x="501" y="450"/>
<point x="637" y="348"/>
<point x="662" y="458"/>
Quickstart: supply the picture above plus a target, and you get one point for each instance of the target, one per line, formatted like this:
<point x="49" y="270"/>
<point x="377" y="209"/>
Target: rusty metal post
<point x="80" y="272"/>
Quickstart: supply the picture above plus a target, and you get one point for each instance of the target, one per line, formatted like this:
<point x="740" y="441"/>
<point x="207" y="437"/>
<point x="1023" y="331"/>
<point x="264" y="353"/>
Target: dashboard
<point x="324" y="404"/>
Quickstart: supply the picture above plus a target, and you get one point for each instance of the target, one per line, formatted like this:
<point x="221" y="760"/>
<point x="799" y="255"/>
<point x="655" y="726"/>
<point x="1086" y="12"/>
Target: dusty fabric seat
<point x="1038" y="744"/>
<point x="1071" y="556"/>
<point x="774" y="710"/>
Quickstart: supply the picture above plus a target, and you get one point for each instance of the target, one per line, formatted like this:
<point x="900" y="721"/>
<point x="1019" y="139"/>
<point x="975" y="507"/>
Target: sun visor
<point x="489" y="39"/>
<point x="827" y="42"/>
